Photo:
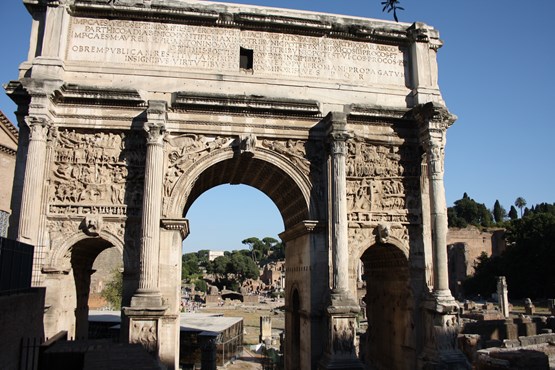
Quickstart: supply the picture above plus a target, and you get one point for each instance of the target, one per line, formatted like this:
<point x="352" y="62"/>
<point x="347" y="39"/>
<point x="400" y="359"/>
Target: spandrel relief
<point x="96" y="173"/>
<point x="185" y="150"/>
<point x="306" y="156"/>
<point x="381" y="183"/>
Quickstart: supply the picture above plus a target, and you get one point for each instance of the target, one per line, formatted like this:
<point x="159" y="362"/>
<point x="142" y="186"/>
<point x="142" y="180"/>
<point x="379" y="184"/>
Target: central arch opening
<point x="239" y="185"/>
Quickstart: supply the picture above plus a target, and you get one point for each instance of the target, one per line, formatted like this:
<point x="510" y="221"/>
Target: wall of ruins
<point x="465" y="246"/>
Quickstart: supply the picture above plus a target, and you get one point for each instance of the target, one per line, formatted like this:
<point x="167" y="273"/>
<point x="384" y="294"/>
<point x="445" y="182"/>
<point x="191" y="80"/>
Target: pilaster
<point x="424" y="69"/>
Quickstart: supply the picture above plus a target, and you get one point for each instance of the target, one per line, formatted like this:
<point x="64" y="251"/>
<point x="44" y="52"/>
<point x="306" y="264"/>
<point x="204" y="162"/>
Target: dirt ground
<point x="251" y="317"/>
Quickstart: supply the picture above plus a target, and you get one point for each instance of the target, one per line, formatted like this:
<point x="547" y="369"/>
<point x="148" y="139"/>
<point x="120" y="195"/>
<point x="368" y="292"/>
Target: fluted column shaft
<point x="150" y="224"/>
<point x="434" y="121"/>
<point x="439" y="214"/>
<point x="34" y="180"/>
<point x="340" y="227"/>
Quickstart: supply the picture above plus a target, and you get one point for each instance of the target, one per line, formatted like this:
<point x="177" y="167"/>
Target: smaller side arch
<point x="60" y="258"/>
<point x="389" y="340"/>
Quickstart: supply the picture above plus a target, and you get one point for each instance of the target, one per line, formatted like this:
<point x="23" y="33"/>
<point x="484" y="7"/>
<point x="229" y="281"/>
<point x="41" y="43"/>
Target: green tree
<point x="189" y="265"/>
<point x="467" y="211"/>
<point x="113" y="290"/>
<point x="201" y="285"/>
<point x="520" y="203"/>
<point x="499" y="212"/>
<point x="392" y="6"/>
<point x="242" y="267"/>
<point x="513" y="214"/>
<point x="219" y="266"/>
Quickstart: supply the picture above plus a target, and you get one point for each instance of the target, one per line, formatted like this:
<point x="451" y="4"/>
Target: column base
<point x="147" y="299"/>
<point x="342" y="302"/>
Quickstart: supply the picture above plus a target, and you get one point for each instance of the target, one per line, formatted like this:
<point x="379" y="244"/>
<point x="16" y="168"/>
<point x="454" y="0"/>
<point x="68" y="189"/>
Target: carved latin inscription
<point x="218" y="49"/>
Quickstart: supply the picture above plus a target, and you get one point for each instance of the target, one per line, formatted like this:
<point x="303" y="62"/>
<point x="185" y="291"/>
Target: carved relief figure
<point x="343" y="336"/>
<point x="145" y="333"/>
<point x="93" y="172"/>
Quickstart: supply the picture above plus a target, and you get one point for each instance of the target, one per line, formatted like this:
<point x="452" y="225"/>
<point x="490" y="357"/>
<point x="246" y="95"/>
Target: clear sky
<point x="495" y="72"/>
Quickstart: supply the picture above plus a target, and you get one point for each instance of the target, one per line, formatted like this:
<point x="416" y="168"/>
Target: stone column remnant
<point x="34" y="179"/>
<point x="265" y="329"/>
<point x="342" y="310"/>
<point x="503" y="295"/>
<point x="149" y="293"/>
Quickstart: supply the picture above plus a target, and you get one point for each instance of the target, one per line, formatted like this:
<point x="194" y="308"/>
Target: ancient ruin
<point x="130" y="109"/>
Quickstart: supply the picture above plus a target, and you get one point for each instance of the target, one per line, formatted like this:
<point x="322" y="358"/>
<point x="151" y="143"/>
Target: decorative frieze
<point x="96" y="173"/>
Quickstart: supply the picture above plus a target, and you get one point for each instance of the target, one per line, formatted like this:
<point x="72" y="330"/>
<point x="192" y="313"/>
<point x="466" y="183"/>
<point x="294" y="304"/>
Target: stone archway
<point x="68" y="280"/>
<point x="276" y="176"/>
<point x="389" y="305"/>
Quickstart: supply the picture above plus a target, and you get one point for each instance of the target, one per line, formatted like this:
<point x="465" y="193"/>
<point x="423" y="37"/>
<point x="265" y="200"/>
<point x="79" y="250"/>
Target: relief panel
<point x="96" y="173"/>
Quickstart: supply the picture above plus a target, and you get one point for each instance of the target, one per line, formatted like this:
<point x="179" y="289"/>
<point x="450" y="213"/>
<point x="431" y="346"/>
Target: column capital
<point x="155" y="133"/>
<point x="38" y="127"/>
<point x="155" y="127"/>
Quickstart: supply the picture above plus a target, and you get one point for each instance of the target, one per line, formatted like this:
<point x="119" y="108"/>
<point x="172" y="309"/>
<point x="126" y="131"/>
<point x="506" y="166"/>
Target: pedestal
<point x="144" y="327"/>
<point x="441" y="328"/>
<point x="341" y="350"/>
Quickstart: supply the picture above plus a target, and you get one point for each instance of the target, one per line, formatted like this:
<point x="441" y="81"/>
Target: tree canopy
<point x="466" y="211"/>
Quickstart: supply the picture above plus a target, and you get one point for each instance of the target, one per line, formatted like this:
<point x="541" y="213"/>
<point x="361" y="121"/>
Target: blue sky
<point x="495" y="72"/>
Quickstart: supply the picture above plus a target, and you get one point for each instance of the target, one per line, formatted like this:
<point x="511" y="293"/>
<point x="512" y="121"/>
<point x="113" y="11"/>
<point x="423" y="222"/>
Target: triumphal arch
<point x="130" y="109"/>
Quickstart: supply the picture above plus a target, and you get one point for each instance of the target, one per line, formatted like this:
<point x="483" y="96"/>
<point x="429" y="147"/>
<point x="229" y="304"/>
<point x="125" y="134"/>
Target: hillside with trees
<point x="233" y="268"/>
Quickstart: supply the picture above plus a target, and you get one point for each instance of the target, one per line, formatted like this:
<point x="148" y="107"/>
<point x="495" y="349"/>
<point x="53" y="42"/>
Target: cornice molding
<point x="300" y="229"/>
<point x="256" y="18"/>
<point x="244" y="104"/>
<point x="96" y="95"/>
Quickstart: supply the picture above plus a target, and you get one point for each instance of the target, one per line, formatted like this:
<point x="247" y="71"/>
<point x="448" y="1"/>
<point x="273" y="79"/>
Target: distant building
<point x="273" y="274"/>
<point x="212" y="255"/>
<point x="8" y="149"/>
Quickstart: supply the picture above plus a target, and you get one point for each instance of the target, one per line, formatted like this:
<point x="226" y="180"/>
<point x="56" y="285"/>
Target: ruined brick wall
<point x="465" y="246"/>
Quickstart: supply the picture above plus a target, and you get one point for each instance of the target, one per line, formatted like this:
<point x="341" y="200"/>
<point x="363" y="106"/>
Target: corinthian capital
<point x="155" y="133"/>
<point x="337" y="132"/>
<point x="38" y="127"/>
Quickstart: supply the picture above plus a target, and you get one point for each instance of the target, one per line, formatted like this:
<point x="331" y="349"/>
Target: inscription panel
<point x="212" y="49"/>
